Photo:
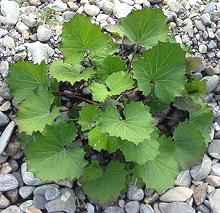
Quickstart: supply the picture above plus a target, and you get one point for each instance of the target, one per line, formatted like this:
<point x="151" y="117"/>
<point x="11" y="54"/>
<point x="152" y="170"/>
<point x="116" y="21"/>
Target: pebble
<point x="8" y="42"/>
<point x="135" y="193"/>
<point x="211" y="83"/>
<point x="175" y="6"/>
<point x="40" y="201"/>
<point x="3" y="120"/>
<point x="59" y="5"/>
<point x="201" y="171"/>
<point x="107" y="7"/>
<point x="183" y="179"/>
<point x="213" y="180"/>
<point x="132" y="207"/>
<point x="6" y="135"/>
<point x="43" y="33"/>
<point x="206" y="18"/>
<point x="8" y="182"/>
<point x="91" y="10"/>
<point x="52" y="193"/>
<point x="114" y="209"/>
<point x="214" y="149"/>
<point x="176" y="207"/>
<point x="214" y="201"/>
<point x="12" y="209"/>
<point x="145" y="208"/>
<point x="121" y="10"/>
<point x="26" y="204"/>
<point x="26" y="191"/>
<point x="200" y="193"/>
<point x="5" y="106"/>
<point x="177" y="194"/>
<point x="4" y="202"/>
<point x="215" y="169"/>
<point x="90" y="208"/>
<point x="203" y="48"/>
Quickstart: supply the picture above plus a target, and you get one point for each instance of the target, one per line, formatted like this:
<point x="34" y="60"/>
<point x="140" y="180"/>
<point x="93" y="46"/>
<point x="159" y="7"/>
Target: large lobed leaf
<point x="53" y="156"/>
<point x="25" y="77"/>
<point x="81" y="38"/>
<point x="104" y="185"/>
<point x="35" y="111"/>
<point x="145" y="27"/>
<point x="136" y="127"/>
<point x="161" y="71"/>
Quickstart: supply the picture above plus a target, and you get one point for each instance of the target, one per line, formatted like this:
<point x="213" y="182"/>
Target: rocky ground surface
<point x="30" y="30"/>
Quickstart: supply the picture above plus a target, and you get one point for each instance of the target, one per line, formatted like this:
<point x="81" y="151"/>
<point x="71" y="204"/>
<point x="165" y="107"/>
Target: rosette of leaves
<point x="116" y="116"/>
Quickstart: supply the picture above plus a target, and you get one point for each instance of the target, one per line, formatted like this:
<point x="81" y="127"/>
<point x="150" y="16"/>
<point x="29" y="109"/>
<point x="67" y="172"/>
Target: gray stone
<point x="59" y="5"/>
<point x="203" y="48"/>
<point x="175" y="6"/>
<point x="183" y="179"/>
<point x="10" y="11"/>
<point x="8" y="182"/>
<point x="199" y="25"/>
<point x="28" y="20"/>
<point x="43" y="33"/>
<point x="213" y="180"/>
<point x="145" y="208"/>
<point x="3" y="32"/>
<point x="155" y="1"/>
<point x="135" y="193"/>
<point x="217" y="34"/>
<point x="212" y="82"/>
<point x="132" y="207"/>
<point x="28" y="177"/>
<point x="26" y="191"/>
<point x="4" y="67"/>
<point x="201" y="171"/>
<point x="214" y="149"/>
<point x="176" y="207"/>
<point x="200" y="193"/>
<point x="66" y="202"/>
<point x="12" y="209"/>
<point x="68" y="15"/>
<point x="206" y="19"/>
<point x="215" y="169"/>
<point x="26" y="204"/>
<point x="114" y="209"/>
<point x="90" y="208"/>
<point x="212" y="44"/>
<point x="91" y="10"/>
<point x="177" y="194"/>
<point x="52" y="193"/>
<point x="40" y="201"/>
<point x="203" y="209"/>
<point x="4" y="202"/>
<point x="152" y="198"/>
<point x="210" y="7"/>
<point x="3" y="119"/>
<point x="21" y="26"/>
<point x="107" y="7"/>
<point x="214" y="201"/>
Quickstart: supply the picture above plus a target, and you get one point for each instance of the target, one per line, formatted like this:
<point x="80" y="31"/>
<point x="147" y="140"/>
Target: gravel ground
<point x="30" y="30"/>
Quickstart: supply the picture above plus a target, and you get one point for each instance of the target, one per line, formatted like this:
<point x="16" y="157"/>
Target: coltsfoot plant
<point x="122" y="107"/>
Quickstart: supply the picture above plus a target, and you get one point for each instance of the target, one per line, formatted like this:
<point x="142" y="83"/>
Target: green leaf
<point x="35" y="112"/>
<point x="104" y="185"/>
<point x="116" y="83"/>
<point x="27" y="140"/>
<point x="25" y="77"/>
<point x="141" y="27"/>
<point x="136" y="127"/>
<point x="78" y="41"/>
<point x="190" y="145"/>
<point x="88" y="116"/>
<point x="110" y="65"/>
<point x="53" y="156"/>
<point x="66" y="72"/>
<point x="161" y="70"/>
<point x="196" y="87"/>
<point x="102" y="141"/>
<point x="160" y="173"/>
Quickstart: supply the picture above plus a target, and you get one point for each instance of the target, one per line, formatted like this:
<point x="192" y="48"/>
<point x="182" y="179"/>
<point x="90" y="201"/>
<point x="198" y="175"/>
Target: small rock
<point x="121" y="10"/>
<point x="210" y="7"/>
<point x="5" y="106"/>
<point x="12" y="209"/>
<point x="90" y="208"/>
<point x="212" y="82"/>
<point x="26" y="191"/>
<point x="8" y="182"/>
<point x="175" y="6"/>
<point x="12" y="195"/>
<point x="28" y="20"/>
<point x="145" y="208"/>
<point x="8" y="42"/>
<point x="21" y="26"/>
<point x="183" y="179"/>
<point x="6" y="135"/>
<point x="214" y="149"/>
<point x="59" y="5"/>
<point x="107" y="7"/>
<point x="200" y="193"/>
<point x="3" y="120"/>
<point x="34" y="2"/>
<point x="177" y="194"/>
<point x="132" y="207"/>
<point x="206" y="19"/>
<point x="176" y="207"/>
<point x="52" y="193"/>
<point x="214" y="201"/>
<point x="213" y="180"/>
<point x="203" y="48"/>
<point x="4" y="67"/>
<point x="199" y="25"/>
<point x="152" y="198"/>
<point x="114" y="209"/>
<point x="40" y="201"/>
<point x="68" y="15"/>
<point x="4" y="202"/>
<point x="32" y="209"/>
<point x="215" y="169"/>
<point x="26" y="204"/>
<point x="134" y="193"/>
<point x="43" y="33"/>
<point x="91" y="10"/>
<point x="201" y="171"/>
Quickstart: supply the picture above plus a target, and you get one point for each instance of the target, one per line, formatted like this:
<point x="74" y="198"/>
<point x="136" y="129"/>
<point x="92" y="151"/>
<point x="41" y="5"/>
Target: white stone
<point x="129" y="2"/>
<point x="121" y="10"/>
<point x="91" y="10"/>
<point x="214" y="201"/>
<point x="8" y="42"/>
<point x="107" y="7"/>
<point x="59" y="6"/>
<point x="21" y="26"/>
<point x="43" y="33"/>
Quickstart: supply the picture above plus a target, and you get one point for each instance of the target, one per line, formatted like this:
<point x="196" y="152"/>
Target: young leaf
<point x="162" y="70"/>
<point x="104" y="185"/>
<point x="53" y="156"/>
<point x="110" y="65"/>
<point x="25" y="77"/>
<point x="78" y="41"/>
<point x="88" y="116"/>
<point x="66" y="72"/>
<point x="196" y="87"/>
<point x="190" y="145"/>
<point x="102" y="141"/>
<point x="136" y="127"/>
<point x="117" y="83"/>
<point x="161" y="172"/>
<point x="141" y="27"/>
<point x="35" y="112"/>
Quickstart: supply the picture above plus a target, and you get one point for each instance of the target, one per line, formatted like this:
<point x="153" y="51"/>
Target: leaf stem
<point x="135" y="50"/>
